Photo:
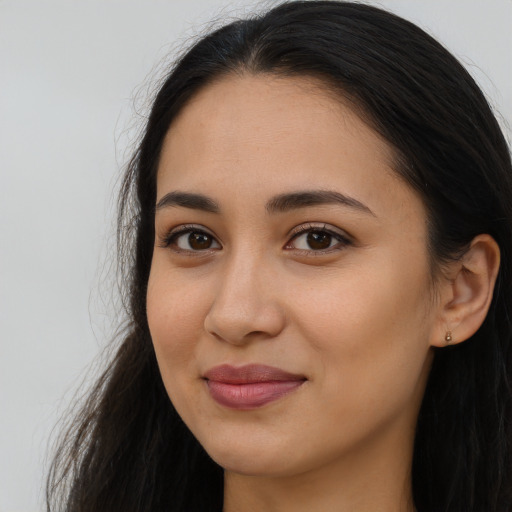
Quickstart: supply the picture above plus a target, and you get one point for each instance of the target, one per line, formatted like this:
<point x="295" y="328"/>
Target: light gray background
<point x="69" y="73"/>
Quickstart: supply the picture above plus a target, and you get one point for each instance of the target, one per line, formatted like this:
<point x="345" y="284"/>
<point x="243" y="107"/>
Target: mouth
<point x="251" y="386"/>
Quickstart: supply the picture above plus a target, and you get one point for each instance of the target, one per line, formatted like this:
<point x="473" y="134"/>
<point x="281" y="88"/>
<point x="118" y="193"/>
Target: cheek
<point x="370" y="332"/>
<point x="362" y="306"/>
<point x="175" y="316"/>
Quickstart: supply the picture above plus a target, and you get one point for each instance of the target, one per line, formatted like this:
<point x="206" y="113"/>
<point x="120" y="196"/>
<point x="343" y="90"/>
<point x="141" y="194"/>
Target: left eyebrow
<point x="303" y="199"/>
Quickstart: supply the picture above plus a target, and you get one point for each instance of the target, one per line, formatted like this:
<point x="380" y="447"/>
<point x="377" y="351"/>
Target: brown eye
<point x="318" y="240"/>
<point x="199" y="241"/>
<point x="190" y="239"/>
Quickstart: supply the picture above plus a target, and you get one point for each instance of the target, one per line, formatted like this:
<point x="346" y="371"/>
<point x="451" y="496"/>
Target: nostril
<point x="243" y="310"/>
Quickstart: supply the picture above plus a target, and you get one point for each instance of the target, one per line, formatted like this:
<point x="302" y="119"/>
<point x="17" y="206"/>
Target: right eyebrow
<point x="188" y="200"/>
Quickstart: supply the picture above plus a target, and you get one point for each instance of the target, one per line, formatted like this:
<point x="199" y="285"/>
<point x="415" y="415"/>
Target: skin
<point x="357" y="320"/>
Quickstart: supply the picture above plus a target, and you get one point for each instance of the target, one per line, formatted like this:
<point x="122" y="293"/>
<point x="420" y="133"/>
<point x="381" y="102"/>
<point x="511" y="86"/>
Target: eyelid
<point x="343" y="237"/>
<point x="318" y="226"/>
<point x="168" y="239"/>
<point x="172" y="234"/>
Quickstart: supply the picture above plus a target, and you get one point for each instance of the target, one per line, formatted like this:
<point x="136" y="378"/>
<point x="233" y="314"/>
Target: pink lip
<point x="250" y="386"/>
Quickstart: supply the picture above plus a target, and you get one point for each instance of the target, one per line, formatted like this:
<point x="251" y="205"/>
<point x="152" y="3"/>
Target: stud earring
<point x="448" y="337"/>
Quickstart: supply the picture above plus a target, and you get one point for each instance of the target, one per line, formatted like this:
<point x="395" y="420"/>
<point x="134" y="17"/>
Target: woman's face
<point x="289" y="299"/>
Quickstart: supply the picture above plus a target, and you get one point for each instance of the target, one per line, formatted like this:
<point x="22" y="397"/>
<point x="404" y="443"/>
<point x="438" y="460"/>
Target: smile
<point x="249" y="387"/>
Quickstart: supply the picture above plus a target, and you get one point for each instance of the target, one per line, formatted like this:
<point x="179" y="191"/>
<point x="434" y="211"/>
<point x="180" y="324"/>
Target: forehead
<point x="262" y="135"/>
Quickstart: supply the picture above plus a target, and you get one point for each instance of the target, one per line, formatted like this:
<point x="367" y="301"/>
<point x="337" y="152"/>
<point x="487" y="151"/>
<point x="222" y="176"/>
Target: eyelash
<point x="342" y="240"/>
<point x="169" y="240"/>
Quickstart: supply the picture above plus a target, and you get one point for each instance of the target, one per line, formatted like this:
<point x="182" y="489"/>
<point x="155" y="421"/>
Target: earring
<point x="448" y="337"/>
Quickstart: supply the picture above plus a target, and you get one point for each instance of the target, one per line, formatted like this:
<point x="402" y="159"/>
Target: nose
<point x="246" y="306"/>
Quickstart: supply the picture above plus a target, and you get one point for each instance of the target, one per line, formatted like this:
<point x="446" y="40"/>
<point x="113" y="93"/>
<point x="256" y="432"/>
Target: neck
<point x="371" y="479"/>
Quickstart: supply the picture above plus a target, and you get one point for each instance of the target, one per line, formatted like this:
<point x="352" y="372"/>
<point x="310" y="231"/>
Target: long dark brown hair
<point x="128" y="450"/>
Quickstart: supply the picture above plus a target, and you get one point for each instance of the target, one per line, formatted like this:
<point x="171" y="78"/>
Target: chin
<point x="250" y="459"/>
<point x="252" y="466"/>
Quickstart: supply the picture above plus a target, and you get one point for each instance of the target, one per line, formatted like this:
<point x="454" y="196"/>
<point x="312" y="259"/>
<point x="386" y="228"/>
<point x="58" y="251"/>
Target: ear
<point x="466" y="294"/>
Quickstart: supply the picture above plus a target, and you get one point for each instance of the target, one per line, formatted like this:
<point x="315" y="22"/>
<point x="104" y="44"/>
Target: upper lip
<point x="249" y="373"/>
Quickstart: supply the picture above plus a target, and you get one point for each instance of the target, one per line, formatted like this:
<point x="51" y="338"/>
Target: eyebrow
<point x="279" y="204"/>
<point x="292" y="201"/>
<point x="188" y="200"/>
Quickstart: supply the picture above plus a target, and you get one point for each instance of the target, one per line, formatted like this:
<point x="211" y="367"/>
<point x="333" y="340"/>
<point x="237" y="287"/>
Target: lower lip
<point x="251" y="395"/>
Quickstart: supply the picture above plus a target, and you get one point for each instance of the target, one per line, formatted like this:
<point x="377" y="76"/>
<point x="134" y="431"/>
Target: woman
<point x="317" y="234"/>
